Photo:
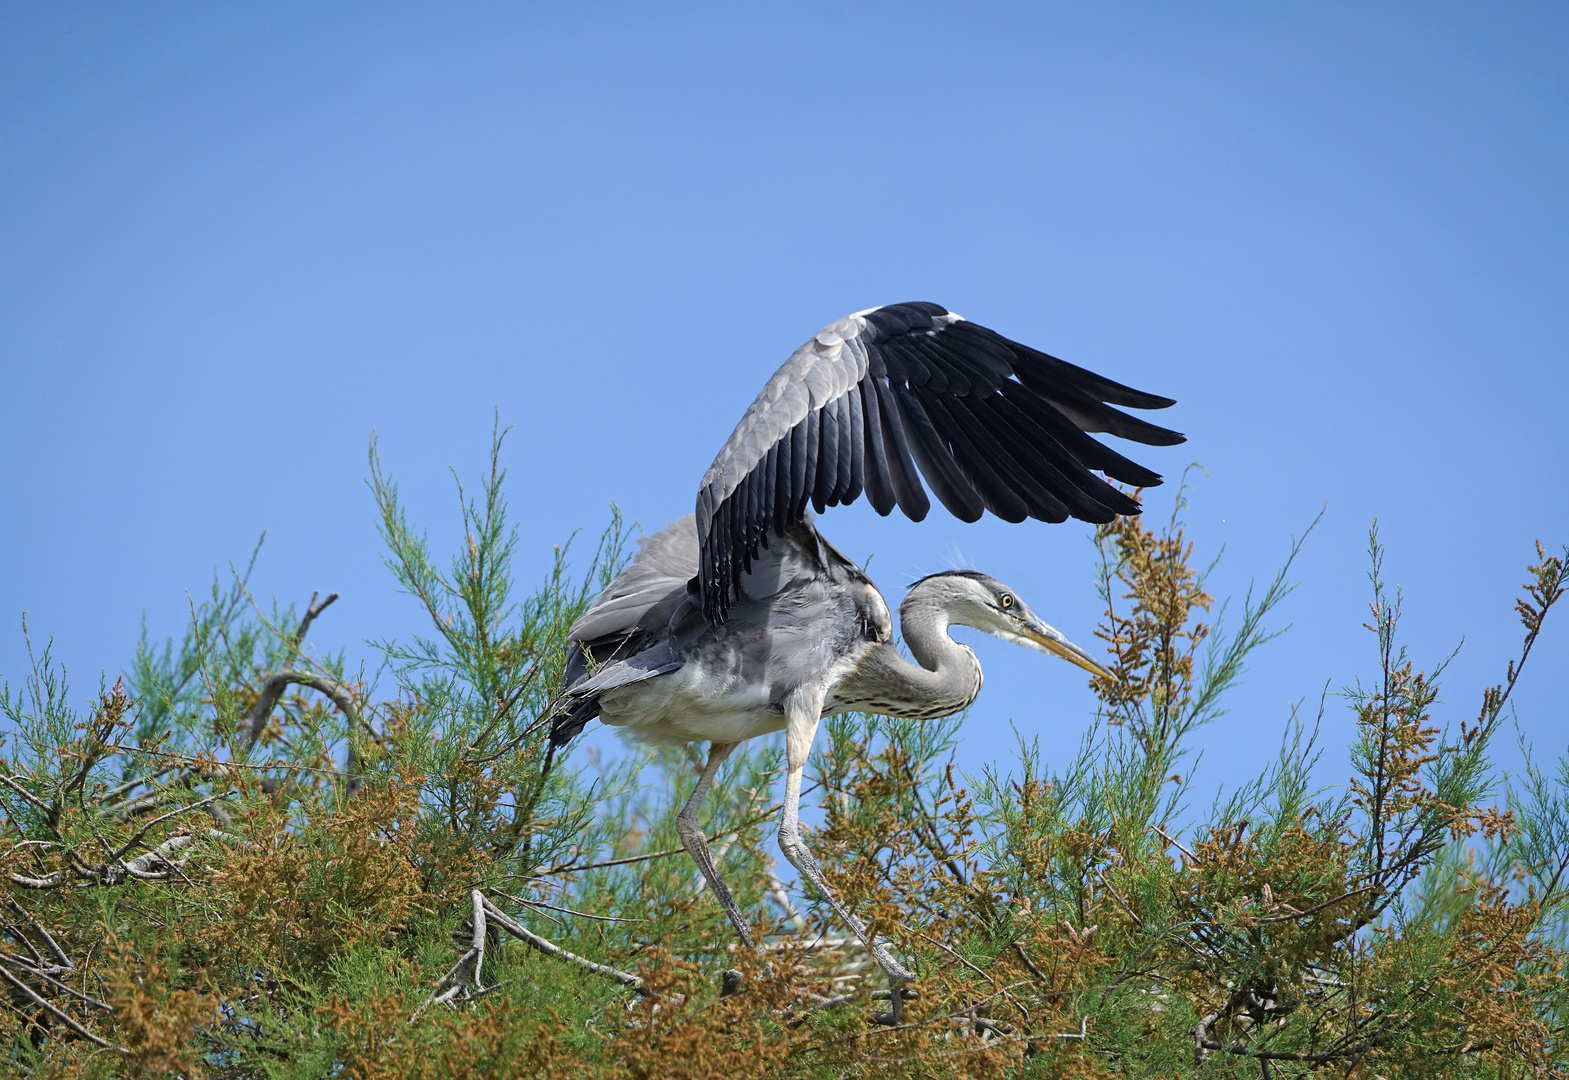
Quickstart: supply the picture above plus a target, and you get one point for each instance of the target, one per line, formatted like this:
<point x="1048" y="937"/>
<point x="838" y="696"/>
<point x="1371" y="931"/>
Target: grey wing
<point x="635" y="609"/>
<point x="665" y="561"/>
<point x="990" y="423"/>
<point x="623" y="637"/>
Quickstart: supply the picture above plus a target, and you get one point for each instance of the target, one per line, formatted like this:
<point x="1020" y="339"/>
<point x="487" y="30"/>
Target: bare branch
<point x="1123" y="904"/>
<point x="11" y="783"/>
<point x="728" y="834"/>
<point x="1173" y="843"/>
<point x="142" y="865"/>
<point x="1318" y="907"/>
<point x="137" y="838"/>
<point x="563" y="910"/>
<point x="63" y="1017"/>
<point x="46" y="977"/>
<point x="54" y="946"/>
<point x="1037" y="972"/>
<point x="464" y="975"/>
<point x="255" y="721"/>
<point x="523" y="933"/>
<point x="49" y="881"/>
<point x="109" y="798"/>
<point x="313" y="610"/>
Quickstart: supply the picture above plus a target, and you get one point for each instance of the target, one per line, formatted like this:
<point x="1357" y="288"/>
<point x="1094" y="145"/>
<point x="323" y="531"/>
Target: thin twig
<point x="311" y="611"/>
<point x="947" y="949"/>
<point x="94" y="1002"/>
<point x="1318" y="907"/>
<point x="63" y="1017"/>
<point x="1037" y="972"/>
<point x="516" y="929"/>
<point x="136" y="839"/>
<point x="1120" y="901"/>
<point x="563" y="910"/>
<point x="11" y="783"/>
<point x="951" y="952"/>
<point x="54" y="946"/>
<point x="1321" y="1057"/>
<point x="108" y="797"/>
<point x="991" y="1045"/>
<point x="1173" y="843"/>
<point x="1083" y="1032"/>
<point x="714" y="839"/>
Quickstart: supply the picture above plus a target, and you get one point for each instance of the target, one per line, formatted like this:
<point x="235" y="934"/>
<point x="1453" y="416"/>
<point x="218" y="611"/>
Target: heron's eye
<point x="1006" y="601"/>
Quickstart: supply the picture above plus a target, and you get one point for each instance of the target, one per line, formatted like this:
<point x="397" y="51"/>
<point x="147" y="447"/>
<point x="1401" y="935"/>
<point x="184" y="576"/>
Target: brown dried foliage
<point x="296" y="898"/>
<point x="1067" y="922"/>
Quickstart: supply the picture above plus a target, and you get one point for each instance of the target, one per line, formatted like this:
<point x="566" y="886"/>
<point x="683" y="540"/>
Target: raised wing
<point x="871" y="399"/>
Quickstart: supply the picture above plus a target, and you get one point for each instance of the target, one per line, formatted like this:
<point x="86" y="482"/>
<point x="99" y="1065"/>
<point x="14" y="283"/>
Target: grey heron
<point x="740" y="619"/>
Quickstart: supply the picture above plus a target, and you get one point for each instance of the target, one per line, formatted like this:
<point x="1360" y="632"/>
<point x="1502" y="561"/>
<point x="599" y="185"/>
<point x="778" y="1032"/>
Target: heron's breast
<point x="691" y="705"/>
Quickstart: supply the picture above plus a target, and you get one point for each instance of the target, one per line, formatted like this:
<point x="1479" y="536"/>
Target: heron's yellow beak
<point x="1047" y="639"/>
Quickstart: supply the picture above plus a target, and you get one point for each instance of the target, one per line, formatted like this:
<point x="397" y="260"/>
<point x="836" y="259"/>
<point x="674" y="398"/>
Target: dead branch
<point x="38" y="928"/>
<point x="1123" y="904"/>
<point x="464" y="975"/>
<point x="109" y="799"/>
<point x="113" y="872"/>
<point x="255" y="721"/>
<point x="1037" y="972"/>
<point x="563" y="910"/>
<point x="63" y="1017"/>
<point x="573" y="868"/>
<point x="1082" y="1033"/>
<point x="311" y="611"/>
<point x="1174" y="844"/>
<point x="137" y="838"/>
<point x="1318" y="907"/>
<point x="11" y="783"/>
<point x="1321" y="1057"/>
<point x="56" y="983"/>
<point x="142" y="865"/>
<point x="1202" y="1041"/>
<point x="49" y="881"/>
<point x="523" y="933"/>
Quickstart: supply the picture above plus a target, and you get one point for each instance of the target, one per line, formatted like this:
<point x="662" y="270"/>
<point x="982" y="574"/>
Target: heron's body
<point x="741" y="620"/>
<point x="806" y="620"/>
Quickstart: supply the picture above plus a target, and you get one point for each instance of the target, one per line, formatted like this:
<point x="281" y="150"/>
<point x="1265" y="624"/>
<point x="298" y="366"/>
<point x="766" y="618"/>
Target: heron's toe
<point x="897" y="996"/>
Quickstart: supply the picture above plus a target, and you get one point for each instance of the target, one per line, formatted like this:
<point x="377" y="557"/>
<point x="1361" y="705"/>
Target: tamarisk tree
<point x="247" y="858"/>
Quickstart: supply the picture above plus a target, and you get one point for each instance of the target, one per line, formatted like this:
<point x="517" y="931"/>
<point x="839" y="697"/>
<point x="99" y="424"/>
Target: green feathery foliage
<point x="245" y="860"/>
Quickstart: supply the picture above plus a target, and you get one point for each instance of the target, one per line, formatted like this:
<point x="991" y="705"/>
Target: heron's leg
<point x="696" y="844"/>
<point x="799" y="732"/>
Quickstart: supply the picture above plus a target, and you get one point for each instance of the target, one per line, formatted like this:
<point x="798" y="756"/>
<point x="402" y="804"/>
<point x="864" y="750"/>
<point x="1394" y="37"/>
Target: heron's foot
<point x="898" y="991"/>
<point x="897" y="995"/>
<point x="730" y="983"/>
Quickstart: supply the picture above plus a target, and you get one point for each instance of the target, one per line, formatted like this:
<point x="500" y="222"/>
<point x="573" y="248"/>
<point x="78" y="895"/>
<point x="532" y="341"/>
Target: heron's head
<point x="970" y="598"/>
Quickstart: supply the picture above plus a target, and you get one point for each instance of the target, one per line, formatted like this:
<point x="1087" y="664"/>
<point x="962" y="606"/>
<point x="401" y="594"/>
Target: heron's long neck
<point x="949" y="677"/>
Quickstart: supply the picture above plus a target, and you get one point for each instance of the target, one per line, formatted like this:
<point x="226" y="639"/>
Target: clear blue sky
<point x="236" y="239"/>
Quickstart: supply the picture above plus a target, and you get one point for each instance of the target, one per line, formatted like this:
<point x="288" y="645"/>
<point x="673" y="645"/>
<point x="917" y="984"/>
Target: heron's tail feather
<point x="566" y="725"/>
<point x="582" y="703"/>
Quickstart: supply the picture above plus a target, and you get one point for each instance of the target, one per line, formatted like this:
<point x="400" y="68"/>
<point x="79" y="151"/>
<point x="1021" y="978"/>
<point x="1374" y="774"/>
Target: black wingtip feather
<point x="1045" y="366"/>
<point x="892" y="320"/>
